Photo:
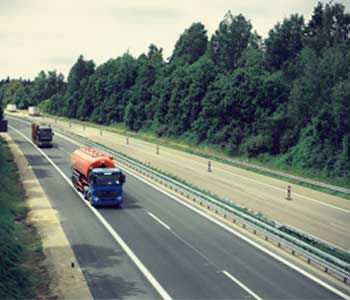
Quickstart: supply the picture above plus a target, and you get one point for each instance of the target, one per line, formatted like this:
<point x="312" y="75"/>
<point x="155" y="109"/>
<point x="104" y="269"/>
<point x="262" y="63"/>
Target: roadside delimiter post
<point x="289" y="193"/>
<point x="209" y="166"/>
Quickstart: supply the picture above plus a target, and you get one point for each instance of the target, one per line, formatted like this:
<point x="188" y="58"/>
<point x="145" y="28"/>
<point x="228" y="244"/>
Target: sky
<point x="50" y="34"/>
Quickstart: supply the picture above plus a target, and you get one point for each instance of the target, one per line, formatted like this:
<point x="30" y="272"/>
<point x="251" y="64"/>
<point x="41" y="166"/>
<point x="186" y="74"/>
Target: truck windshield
<point x="106" y="179"/>
<point x="45" y="131"/>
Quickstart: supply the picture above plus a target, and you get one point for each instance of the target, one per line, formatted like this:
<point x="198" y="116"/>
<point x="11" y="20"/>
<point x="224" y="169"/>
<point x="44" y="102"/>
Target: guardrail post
<point x="157" y="149"/>
<point x="101" y="133"/>
<point x="127" y="140"/>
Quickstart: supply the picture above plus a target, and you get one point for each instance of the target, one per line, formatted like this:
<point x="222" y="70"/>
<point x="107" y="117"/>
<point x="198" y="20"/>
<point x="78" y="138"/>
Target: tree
<point x="189" y="86"/>
<point x="45" y="86"/>
<point x="16" y="93"/>
<point x="1" y="110"/>
<point x="284" y="42"/>
<point x="38" y="90"/>
<point x="81" y="70"/>
<point x="329" y="25"/>
<point x="107" y="92"/>
<point x="139" y="107"/>
<point x="191" y="45"/>
<point x="229" y="41"/>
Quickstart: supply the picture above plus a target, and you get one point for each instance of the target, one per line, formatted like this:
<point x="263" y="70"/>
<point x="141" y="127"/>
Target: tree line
<point x="285" y="98"/>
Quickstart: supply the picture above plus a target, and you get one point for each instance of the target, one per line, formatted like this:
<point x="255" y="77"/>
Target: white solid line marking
<point x="158" y="220"/>
<point x="241" y="285"/>
<point x="114" y="234"/>
<point x="246" y="239"/>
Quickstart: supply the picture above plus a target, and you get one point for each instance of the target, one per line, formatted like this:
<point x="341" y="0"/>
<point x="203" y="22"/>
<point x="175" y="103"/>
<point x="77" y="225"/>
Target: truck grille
<point x="106" y="193"/>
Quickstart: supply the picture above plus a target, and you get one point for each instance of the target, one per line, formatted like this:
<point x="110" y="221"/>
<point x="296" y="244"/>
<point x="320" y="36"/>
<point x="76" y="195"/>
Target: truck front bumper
<point x="107" y="201"/>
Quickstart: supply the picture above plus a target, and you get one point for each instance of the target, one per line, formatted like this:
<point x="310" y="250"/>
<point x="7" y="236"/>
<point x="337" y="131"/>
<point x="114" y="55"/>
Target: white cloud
<point x="41" y="34"/>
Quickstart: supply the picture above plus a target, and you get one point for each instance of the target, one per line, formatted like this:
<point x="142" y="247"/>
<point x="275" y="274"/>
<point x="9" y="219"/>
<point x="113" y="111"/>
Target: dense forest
<point x="285" y="98"/>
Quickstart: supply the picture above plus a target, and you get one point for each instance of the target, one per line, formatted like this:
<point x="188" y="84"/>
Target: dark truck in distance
<point x="42" y="134"/>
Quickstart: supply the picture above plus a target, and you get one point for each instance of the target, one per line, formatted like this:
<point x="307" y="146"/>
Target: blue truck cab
<point x="106" y="187"/>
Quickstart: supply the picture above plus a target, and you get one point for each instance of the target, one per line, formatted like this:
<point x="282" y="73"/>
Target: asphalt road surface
<point x="190" y="256"/>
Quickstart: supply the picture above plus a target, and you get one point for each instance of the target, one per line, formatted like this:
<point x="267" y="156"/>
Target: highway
<point x="190" y="256"/>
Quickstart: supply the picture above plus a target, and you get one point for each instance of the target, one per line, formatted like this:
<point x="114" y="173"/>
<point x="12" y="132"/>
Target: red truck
<point x="42" y="134"/>
<point x="95" y="175"/>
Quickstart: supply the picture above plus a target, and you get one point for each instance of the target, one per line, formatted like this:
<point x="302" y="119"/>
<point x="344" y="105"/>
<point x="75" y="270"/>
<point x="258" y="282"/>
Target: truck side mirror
<point x="122" y="178"/>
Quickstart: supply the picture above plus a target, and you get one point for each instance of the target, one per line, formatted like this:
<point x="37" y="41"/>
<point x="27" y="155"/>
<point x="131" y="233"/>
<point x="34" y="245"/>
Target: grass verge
<point x="22" y="273"/>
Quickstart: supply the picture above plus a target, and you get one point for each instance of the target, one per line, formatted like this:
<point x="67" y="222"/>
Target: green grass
<point x="20" y="248"/>
<point x="215" y="153"/>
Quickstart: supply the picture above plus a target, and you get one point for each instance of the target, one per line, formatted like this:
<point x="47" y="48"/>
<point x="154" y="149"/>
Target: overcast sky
<point x="50" y="34"/>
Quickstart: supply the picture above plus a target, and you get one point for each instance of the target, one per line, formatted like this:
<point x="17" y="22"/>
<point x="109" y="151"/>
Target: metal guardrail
<point x="269" y="229"/>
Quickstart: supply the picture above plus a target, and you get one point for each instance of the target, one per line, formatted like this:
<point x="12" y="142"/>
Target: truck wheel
<point x="87" y="196"/>
<point x="74" y="182"/>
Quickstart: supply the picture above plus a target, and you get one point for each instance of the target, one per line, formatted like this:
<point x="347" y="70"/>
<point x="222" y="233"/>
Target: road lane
<point x="183" y="272"/>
